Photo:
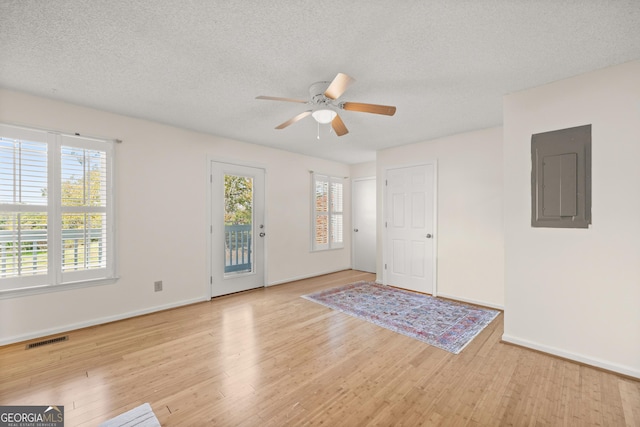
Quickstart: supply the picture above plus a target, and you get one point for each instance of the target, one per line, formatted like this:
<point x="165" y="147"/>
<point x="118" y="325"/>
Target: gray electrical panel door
<point x="561" y="178"/>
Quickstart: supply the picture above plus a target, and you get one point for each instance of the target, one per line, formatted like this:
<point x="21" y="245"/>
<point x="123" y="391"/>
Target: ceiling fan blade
<point x="337" y="87"/>
<point x="386" y="110"/>
<point x="338" y="126"/>
<point x="294" y="119"/>
<point x="276" y="98"/>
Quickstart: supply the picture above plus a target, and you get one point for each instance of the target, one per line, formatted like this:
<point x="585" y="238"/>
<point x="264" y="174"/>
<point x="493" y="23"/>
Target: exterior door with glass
<point x="237" y="228"/>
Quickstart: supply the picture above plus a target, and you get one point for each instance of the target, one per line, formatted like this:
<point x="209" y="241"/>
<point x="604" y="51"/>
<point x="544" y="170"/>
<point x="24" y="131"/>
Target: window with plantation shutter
<point x="24" y="207"/>
<point x="327" y="212"/>
<point x="83" y="204"/>
<point x="56" y="216"/>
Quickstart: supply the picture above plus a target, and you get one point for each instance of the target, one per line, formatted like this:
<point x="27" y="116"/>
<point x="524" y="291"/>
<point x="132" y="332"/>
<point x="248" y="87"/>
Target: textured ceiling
<point x="199" y="64"/>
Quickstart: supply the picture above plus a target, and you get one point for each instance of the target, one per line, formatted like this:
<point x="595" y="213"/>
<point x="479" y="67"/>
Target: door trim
<point x="209" y="230"/>
<point x="385" y="249"/>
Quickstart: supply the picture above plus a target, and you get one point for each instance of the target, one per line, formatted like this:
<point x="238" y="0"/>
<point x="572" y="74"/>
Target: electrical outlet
<point x="157" y="286"/>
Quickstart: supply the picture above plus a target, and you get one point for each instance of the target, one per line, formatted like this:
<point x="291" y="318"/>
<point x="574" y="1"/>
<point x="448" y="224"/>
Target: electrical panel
<point x="561" y="178"/>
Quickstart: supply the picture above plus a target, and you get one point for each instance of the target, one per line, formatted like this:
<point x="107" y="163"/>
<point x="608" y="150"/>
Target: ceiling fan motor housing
<point x="316" y="91"/>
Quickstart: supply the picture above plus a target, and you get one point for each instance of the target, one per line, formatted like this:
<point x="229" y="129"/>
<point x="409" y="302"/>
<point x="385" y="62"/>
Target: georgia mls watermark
<point x="31" y="416"/>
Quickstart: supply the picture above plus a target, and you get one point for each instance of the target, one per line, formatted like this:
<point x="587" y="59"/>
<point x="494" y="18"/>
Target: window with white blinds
<point x="56" y="208"/>
<point x="327" y="212"/>
<point x="24" y="207"/>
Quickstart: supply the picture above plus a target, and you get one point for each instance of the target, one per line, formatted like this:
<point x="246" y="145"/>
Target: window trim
<point x="316" y="247"/>
<point x="55" y="279"/>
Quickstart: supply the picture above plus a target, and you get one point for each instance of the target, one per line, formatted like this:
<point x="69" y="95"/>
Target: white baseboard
<point x="471" y="301"/>
<point x="306" y="276"/>
<point x="94" y="322"/>
<point x="603" y="364"/>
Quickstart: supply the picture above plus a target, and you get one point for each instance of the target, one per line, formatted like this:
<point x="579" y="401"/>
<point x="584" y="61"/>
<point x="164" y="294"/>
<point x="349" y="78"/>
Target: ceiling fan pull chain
<point x="318" y="123"/>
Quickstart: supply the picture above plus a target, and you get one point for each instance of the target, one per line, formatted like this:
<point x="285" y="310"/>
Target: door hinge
<point x="386" y="182"/>
<point x="385" y="224"/>
<point x="211" y="280"/>
<point x="211" y="178"/>
<point x="211" y="229"/>
<point x="385" y="266"/>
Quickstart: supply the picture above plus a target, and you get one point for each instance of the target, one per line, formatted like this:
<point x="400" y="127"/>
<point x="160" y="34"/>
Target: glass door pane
<point x="238" y="224"/>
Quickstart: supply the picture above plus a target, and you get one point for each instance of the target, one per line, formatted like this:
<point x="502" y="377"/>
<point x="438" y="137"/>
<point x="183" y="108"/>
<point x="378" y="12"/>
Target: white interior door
<point x="410" y="226"/>
<point x="237" y="228"/>
<point x="364" y="224"/>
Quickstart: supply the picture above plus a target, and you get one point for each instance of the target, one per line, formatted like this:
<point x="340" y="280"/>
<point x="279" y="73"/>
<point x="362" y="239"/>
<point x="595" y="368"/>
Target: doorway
<point x="410" y="202"/>
<point x="237" y="228"/>
<point x="364" y="224"/>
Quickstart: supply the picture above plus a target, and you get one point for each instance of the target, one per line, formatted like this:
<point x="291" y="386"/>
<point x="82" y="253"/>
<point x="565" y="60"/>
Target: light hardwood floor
<point x="270" y="358"/>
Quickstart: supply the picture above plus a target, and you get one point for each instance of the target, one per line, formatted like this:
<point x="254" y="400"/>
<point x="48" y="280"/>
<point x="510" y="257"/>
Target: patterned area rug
<point x="444" y="324"/>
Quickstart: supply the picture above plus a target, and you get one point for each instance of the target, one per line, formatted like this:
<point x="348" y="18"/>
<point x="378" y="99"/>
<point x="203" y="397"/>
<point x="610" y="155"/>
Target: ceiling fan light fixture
<point x="324" y="116"/>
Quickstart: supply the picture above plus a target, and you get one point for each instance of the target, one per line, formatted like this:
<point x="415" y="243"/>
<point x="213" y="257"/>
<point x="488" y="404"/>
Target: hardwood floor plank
<point x="268" y="357"/>
<point x="629" y="392"/>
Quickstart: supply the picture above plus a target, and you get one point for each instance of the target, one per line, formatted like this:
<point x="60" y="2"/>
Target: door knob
<point x="429" y="236"/>
<point x="261" y="234"/>
<point x="355" y="229"/>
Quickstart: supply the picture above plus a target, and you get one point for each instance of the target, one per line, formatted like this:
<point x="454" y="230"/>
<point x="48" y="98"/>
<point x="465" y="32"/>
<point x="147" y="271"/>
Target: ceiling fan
<point x="324" y="103"/>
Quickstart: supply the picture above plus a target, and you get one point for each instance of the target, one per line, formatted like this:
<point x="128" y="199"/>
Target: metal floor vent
<point x="49" y="341"/>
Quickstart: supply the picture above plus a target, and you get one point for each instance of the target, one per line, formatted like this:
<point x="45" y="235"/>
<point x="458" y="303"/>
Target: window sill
<point x="45" y="289"/>
<point x="327" y="249"/>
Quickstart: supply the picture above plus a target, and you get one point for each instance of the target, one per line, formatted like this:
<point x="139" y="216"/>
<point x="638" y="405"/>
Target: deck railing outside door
<point x="237" y="239"/>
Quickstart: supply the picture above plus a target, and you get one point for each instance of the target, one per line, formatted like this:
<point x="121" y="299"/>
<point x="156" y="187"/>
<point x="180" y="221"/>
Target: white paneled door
<point x="238" y="229"/>
<point x="410" y="228"/>
<point x="364" y="224"/>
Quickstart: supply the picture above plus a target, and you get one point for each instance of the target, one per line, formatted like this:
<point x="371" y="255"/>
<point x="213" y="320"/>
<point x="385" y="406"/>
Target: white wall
<point x="470" y="253"/>
<point x="576" y="292"/>
<point x="363" y="170"/>
<point x="162" y="185"/>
